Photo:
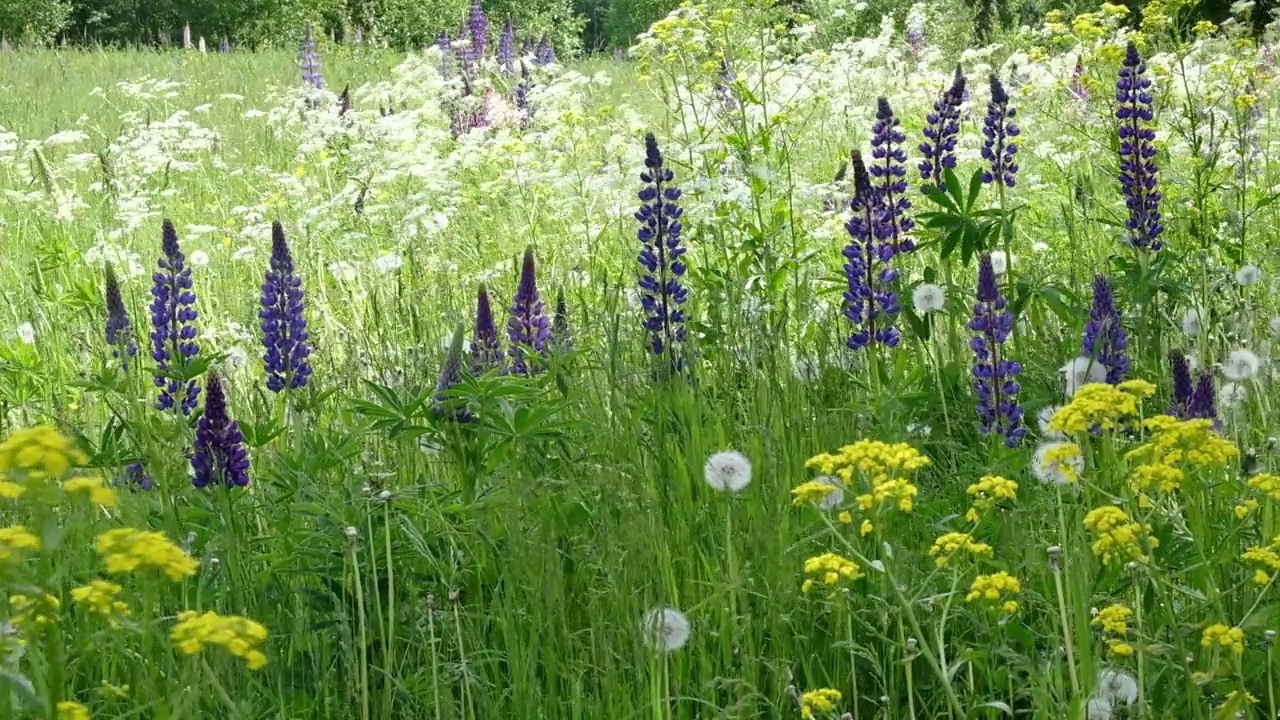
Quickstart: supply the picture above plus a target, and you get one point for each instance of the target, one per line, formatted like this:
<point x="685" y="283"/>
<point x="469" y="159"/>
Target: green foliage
<point x="34" y="21"/>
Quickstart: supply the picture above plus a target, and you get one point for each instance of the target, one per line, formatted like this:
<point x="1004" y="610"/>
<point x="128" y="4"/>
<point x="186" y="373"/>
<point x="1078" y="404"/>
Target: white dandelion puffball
<point x="388" y="263"/>
<point x="1082" y="371"/>
<point x="928" y="298"/>
<point x="1248" y="275"/>
<point x="1099" y="708"/>
<point x="728" y="470"/>
<point x="1057" y="472"/>
<point x="1241" y="365"/>
<point x="834" y="498"/>
<point x="1232" y="395"/>
<point x="1118" y="686"/>
<point x="1040" y="248"/>
<point x="665" y="629"/>
<point x="1192" y="321"/>
<point x="27" y="333"/>
<point x="1275" y="325"/>
<point x="1043" y="417"/>
<point x="199" y="258"/>
<point x="1000" y="262"/>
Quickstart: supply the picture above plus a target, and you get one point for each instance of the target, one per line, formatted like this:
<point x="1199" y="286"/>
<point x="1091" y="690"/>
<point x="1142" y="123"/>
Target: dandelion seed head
<point x="1043" y="417"/>
<point x="1241" y="365"/>
<point x="728" y="471"/>
<point x="1081" y="371"/>
<point x="1098" y="708"/>
<point x="1000" y="262"/>
<point x="1248" y="275"/>
<point x="1232" y="395"/>
<point x="1193" y="321"/>
<point x="834" y="498"/>
<point x="928" y="298"/>
<point x="1275" y="325"/>
<point x="1118" y="687"/>
<point x="27" y="333"/>
<point x="665" y="629"/>
<point x="1056" y="464"/>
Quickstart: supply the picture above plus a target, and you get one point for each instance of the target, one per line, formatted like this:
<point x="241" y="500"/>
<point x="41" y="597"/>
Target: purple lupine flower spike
<point x="998" y="147"/>
<point x="446" y="54"/>
<point x="1201" y="405"/>
<point x="119" y="330"/>
<point x="1180" y="369"/>
<point x="486" y="350"/>
<point x="477" y="32"/>
<point x="451" y="375"/>
<point x="522" y="96"/>
<point x="869" y="302"/>
<point x="661" y="291"/>
<point x="528" y="327"/>
<point x="561" y="334"/>
<point x="941" y="132"/>
<point x="135" y="477"/>
<point x="309" y="60"/>
<point x="284" y="324"/>
<point x="507" y="49"/>
<point x="220" y="457"/>
<point x="545" y="53"/>
<point x="1138" y="173"/>
<point x="1105" y="339"/>
<point x="993" y="375"/>
<point x="724" y="86"/>
<point x="890" y="178"/>
<point x="173" y="316"/>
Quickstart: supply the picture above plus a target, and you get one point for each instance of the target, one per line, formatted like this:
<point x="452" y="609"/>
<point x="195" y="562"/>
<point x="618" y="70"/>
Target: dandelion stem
<point x="364" y="637"/>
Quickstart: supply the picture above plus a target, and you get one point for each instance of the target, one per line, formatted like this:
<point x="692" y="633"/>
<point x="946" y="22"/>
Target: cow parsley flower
<point x="728" y="471"/>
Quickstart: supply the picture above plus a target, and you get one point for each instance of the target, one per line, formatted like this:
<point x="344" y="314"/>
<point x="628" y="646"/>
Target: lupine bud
<point x="119" y="329"/>
<point x="220" y="457"/>
<point x="528" y="327"/>
<point x="1105" y="339"/>
<point x="486" y="352"/>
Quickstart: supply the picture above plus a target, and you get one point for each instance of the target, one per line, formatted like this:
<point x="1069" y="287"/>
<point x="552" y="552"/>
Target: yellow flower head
<point x="11" y="490"/>
<point x="996" y="589"/>
<point x="99" y="597"/>
<point x="1099" y="406"/>
<point x="1113" y="619"/>
<point x="1268" y="556"/>
<point x="954" y="545"/>
<point x="822" y="701"/>
<point x="1221" y="636"/>
<point x="34" y="612"/>
<point x="988" y="493"/>
<point x="126" y="549"/>
<point x="1176" y="444"/>
<point x="92" y="488"/>
<point x="830" y="569"/>
<point x="1266" y="484"/>
<point x="68" y="710"/>
<point x="1118" y="538"/>
<point x="37" y="453"/>
<point x="14" y="540"/>
<point x="240" y="636"/>
<point x="811" y="493"/>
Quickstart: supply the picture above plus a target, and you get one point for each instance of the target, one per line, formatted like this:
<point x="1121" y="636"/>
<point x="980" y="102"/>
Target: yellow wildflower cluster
<point x="1113" y="620"/>
<point x="1088" y="26"/>
<point x="1221" y="636"/>
<point x="1268" y="556"/>
<point x="240" y="636"/>
<point x="1112" y="10"/>
<point x="821" y="701"/>
<point x="126" y="549"/>
<point x="831" y="569"/>
<point x="10" y="490"/>
<point x="34" y="612"/>
<point x="812" y="492"/>
<point x="1101" y="406"/>
<point x="953" y="544"/>
<point x="1055" y="22"/>
<point x="1118" y="538"/>
<point x="93" y="488"/>
<point x="1205" y="28"/>
<point x="992" y="589"/>
<point x="16" y="539"/>
<point x="99" y="596"/>
<point x="987" y="493"/>
<point x="37" y="453"/>
<point x="68" y="710"/>
<point x="690" y="31"/>
<point x="1267" y="484"/>
<point x="882" y="464"/>
<point x="1175" y="443"/>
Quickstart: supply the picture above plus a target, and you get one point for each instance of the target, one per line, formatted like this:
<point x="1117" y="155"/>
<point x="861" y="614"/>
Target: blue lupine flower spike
<point x="119" y="329"/>
<point x="173" y="330"/>
<point x="993" y="374"/>
<point x="529" y="327"/>
<point x="1105" y="339"/>
<point x="285" y="338"/>
<point x="662" y="293"/>
<point x="1138" y="173"/>
<point x="889" y="175"/>
<point x="998" y="130"/>
<point x="486" y="349"/>
<point x="220" y="457"/>
<point x="941" y="132"/>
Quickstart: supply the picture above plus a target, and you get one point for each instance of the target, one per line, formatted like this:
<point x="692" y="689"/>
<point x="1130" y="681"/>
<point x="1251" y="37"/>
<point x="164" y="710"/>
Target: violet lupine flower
<point x="528" y="327"/>
<point x="507" y="49"/>
<point x="284" y="326"/>
<point x="1201" y="405"/>
<point x="446" y="54"/>
<point x="486" y="351"/>
<point x="999" y="148"/>
<point x="661" y="292"/>
<point x="135" y="477"/>
<point x="173" y="316"/>
<point x="119" y="329"/>
<point x="220" y="457"/>
<point x="724" y="86"/>
<point x="993" y="375"/>
<point x="477" y="31"/>
<point x="1078" y="89"/>
<point x="890" y="177"/>
<point x="1138" y="174"/>
<point x="1105" y="339"/>
<point x="1180" y="369"/>
<point x="521" y="96"/>
<point x="451" y="375"/>
<point x="941" y="131"/>
<point x="561" y="334"/>
<point x="545" y="52"/>
<point x="309" y="61"/>
<point x="869" y="303"/>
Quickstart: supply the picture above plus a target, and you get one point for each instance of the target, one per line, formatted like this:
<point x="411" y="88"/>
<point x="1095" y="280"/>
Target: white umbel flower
<point x="1082" y="371"/>
<point x="388" y="263"/>
<point x="1056" y="472"/>
<point x="1118" y="687"/>
<point x="1248" y="275"/>
<point x="728" y="471"/>
<point x="665" y="629"/>
<point x="1241" y="365"/>
<point x="928" y="298"/>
